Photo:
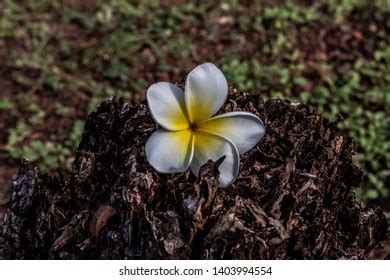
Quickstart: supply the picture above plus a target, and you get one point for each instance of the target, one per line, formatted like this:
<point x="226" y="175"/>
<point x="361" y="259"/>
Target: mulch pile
<point x="293" y="198"/>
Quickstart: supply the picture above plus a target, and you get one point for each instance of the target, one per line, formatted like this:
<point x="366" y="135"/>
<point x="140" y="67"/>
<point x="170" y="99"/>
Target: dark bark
<point x="293" y="199"/>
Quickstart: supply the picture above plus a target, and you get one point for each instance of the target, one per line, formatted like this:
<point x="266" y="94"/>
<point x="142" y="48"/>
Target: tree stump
<point x="293" y="198"/>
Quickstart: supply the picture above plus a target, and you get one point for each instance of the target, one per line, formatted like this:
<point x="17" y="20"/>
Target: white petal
<point x="167" y="106"/>
<point x="205" y="92"/>
<point x="209" y="146"/>
<point x="244" y="129"/>
<point x="170" y="151"/>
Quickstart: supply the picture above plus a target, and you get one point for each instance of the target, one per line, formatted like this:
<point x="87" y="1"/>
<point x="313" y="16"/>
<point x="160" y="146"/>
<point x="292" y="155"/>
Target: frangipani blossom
<point x="189" y="135"/>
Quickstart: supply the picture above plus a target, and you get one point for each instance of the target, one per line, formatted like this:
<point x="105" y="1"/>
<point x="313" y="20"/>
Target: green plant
<point x="5" y="104"/>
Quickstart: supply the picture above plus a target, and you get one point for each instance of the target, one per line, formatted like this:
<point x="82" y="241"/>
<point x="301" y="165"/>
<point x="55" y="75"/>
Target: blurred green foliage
<point x="64" y="58"/>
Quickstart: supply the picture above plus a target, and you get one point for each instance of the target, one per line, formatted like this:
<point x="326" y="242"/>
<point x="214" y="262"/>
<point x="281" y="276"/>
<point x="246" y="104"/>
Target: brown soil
<point x="293" y="198"/>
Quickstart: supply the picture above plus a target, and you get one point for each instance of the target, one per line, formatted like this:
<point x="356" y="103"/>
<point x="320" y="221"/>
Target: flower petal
<point x="244" y="129"/>
<point x="167" y="106"/>
<point x="209" y="146"/>
<point x="170" y="151"/>
<point x="205" y="92"/>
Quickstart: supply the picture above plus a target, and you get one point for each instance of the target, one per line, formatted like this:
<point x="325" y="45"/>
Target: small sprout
<point x="190" y="135"/>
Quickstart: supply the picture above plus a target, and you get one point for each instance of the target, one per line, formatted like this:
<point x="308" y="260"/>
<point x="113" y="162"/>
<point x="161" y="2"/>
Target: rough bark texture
<point x="293" y="198"/>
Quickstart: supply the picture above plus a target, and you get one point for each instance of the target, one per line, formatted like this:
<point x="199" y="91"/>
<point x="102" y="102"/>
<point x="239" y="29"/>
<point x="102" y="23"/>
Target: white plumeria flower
<point x="190" y="135"/>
